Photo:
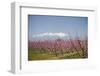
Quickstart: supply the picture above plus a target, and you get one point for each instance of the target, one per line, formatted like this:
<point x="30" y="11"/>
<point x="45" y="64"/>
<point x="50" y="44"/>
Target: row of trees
<point x="60" y="47"/>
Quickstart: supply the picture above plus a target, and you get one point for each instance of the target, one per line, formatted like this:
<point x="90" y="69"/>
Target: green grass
<point x="33" y="55"/>
<point x="37" y="55"/>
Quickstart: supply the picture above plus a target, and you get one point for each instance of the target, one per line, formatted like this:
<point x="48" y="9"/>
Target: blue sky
<point x="42" y="24"/>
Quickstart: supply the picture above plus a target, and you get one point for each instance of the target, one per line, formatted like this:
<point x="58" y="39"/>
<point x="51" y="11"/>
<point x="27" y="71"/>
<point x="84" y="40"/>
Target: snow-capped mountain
<point x="50" y="36"/>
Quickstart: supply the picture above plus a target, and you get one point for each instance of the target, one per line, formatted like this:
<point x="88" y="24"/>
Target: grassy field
<point x="37" y="55"/>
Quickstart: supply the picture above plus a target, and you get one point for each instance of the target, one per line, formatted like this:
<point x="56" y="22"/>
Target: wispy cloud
<point x="50" y="35"/>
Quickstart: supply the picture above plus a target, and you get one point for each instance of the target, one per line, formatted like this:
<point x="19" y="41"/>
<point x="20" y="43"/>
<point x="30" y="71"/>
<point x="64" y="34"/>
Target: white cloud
<point x="60" y="34"/>
<point x="50" y="36"/>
